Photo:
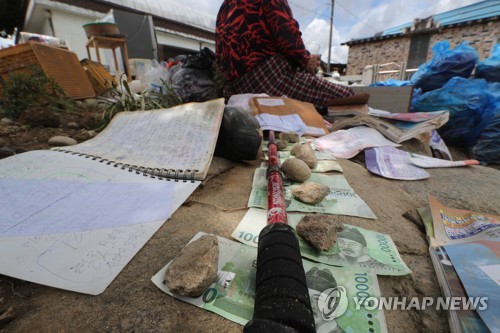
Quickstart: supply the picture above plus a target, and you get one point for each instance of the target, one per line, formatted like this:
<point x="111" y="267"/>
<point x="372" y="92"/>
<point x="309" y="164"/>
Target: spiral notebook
<point x="60" y="206"/>
<point x="176" y="143"/>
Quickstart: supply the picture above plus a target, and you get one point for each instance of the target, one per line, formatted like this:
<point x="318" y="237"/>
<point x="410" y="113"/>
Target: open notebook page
<point x="179" y="138"/>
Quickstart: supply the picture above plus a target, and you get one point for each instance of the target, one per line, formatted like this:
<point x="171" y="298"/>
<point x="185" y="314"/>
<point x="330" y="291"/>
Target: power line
<point x="319" y="12"/>
<point x="357" y="18"/>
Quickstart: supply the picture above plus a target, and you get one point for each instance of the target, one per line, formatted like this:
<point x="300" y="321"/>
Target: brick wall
<point x="480" y="36"/>
<point x="377" y="52"/>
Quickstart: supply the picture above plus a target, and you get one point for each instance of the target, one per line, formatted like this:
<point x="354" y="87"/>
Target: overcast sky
<point x="352" y="18"/>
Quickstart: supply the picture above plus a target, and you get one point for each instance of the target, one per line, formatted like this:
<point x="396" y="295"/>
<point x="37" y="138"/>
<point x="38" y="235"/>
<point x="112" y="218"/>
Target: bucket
<point x="101" y="28"/>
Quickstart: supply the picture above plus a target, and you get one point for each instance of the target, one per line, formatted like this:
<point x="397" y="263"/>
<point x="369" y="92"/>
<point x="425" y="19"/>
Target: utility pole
<point x="330" y="39"/>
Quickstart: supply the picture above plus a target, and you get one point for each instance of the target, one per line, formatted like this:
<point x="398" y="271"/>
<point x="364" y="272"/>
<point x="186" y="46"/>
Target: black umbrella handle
<point x="282" y="301"/>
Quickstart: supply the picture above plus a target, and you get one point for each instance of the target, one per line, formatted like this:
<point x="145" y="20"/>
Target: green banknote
<point x="232" y="295"/>
<point x="356" y="247"/>
<point x="342" y="199"/>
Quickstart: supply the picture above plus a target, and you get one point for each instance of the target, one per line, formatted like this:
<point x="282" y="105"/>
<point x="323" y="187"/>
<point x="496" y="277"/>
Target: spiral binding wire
<point x="161" y="174"/>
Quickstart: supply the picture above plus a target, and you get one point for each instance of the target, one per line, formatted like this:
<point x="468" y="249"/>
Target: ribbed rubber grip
<point x="281" y="299"/>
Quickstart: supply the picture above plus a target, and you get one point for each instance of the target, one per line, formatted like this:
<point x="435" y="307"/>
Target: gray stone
<point x="73" y="125"/>
<point x="7" y="121"/>
<point x="296" y="170"/>
<point x="195" y="268"/>
<point x="320" y="230"/>
<point x="59" y="141"/>
<point x="306" y="154"/>
<point x="295" y="148"/>
<point x="311" y="193"/>
<point x="84" y="135"/>
<point x="91" y="102"/>
<point x="290" y="137"/>
<point x="281" y="144"/>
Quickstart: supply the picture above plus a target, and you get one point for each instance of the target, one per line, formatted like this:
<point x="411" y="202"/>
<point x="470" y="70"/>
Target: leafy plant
<point x="123" y="99"/>
<point x="29" y="89"/>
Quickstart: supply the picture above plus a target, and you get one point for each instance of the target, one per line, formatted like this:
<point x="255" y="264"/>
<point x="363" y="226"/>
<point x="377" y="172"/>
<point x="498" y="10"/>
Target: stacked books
<point x="397" y="127"/>
<point x="465" y="253"/>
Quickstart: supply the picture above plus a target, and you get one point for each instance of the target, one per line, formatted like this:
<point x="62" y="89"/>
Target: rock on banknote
<point x="355" y="247"/>
<point x="336" y="293"/>
<point x="325" y="164"/>
<point x="342" y="199"/>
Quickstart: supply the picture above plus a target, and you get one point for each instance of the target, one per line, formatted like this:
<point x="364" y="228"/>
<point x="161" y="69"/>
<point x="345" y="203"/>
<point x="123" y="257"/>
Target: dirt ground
<point x="132" y="303"/>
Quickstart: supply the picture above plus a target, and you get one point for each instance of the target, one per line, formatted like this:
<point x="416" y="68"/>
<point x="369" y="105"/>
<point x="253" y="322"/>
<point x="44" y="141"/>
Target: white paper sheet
<point x="289" y="123"/>
<point x="271" y="101"/>
<point x="431" y="162"/>
<point x="85" y="262"/>
<point x="393" y="163"/>
<point x="46" y="192"/>
<point x="315" y="131"/>
<point x="348" y="143"/>
<point x="242" y="101"/>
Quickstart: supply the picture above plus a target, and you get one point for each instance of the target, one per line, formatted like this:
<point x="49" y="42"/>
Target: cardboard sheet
<point x="282" y="106"/>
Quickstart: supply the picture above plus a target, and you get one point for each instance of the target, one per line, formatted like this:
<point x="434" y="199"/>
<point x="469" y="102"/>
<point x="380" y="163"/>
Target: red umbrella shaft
<point x="276" y="207"/>
<point x="282" y="302"/>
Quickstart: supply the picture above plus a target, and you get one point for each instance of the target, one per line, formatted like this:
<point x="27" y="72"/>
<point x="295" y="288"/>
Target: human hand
<point x="313" y="64"/>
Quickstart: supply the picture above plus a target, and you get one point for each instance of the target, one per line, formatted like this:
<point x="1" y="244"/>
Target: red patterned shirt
<point x="251" y="31"/>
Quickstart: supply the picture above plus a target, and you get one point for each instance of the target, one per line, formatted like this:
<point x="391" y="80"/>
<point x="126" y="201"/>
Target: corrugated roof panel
<point x="475" y="11"/>
<point x="172" y="11"/>
<point x="480" y="10"/>
<point x="396" y="30"/>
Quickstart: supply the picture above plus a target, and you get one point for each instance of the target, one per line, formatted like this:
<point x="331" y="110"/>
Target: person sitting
<point x="259" y="49"/>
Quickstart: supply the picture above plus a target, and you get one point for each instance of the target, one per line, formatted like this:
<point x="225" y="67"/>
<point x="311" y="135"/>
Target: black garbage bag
<point x="192" y="78"/>
<point x="239" y="136"/>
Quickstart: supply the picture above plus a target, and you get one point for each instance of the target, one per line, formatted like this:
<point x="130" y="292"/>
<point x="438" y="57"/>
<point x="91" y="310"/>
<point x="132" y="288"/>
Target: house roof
<point x="171" y="10"/>
<point x="488" y="10"/>
<point x="172" y="16"/>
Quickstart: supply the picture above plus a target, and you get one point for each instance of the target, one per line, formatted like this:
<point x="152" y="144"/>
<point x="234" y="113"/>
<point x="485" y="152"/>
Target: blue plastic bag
<point x="391" y="83"/>
<point x="444" y="65"/>
<point x="487" y="149"/>
<point x="471" y="106"/>
<point x="489" y="68"/>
